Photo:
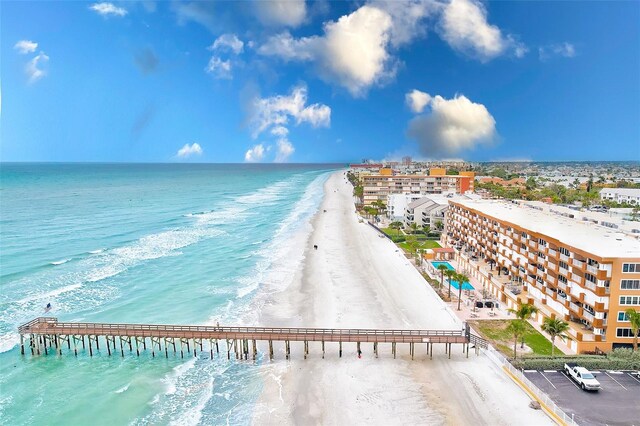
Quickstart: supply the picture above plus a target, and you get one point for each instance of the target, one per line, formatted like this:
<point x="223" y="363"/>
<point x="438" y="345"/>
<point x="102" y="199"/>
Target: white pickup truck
<point x="582" y="377"/>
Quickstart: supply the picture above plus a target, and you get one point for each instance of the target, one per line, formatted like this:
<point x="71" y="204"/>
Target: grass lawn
<point x="391" y="232"/>
<point x="412" y="247"/>
<point x="495" y="331"/>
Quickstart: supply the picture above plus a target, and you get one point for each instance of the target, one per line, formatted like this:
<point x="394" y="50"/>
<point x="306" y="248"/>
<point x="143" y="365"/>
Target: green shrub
<point x="591" y="362"/>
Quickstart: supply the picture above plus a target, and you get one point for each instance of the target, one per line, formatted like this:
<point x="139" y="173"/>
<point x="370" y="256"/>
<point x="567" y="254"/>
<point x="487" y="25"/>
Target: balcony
<point x="592" y="269"/>
<point x="564" y="258"/>
<point x="588" y="316"/>
<point x="591" y="286"/>
<point x="552" y="252"/>
<point x="562" y="286"/>
<point x="564" y="272"/>
<point x="577" y="263"/>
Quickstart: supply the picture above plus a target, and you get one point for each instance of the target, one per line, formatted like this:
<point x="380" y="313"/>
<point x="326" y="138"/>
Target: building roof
<point x="622" y="191"/>
<point x="554" y="222"/>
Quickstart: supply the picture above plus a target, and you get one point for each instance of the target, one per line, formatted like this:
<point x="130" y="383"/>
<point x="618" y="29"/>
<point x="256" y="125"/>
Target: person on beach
<point x="359" y="353"/>
<point x="315" y="247"/>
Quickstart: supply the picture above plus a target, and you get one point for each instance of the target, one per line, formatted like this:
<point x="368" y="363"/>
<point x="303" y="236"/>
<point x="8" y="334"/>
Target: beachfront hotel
<point x="581" y="267"/>
<point x="379" y="186"/>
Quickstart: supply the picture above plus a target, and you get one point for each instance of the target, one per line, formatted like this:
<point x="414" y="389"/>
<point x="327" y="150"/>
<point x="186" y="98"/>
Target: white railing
<point x="592" y="269"/>
<point x="498" y="359"/>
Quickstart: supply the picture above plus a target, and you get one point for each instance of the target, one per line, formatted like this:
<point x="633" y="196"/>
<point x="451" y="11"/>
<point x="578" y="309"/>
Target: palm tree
<point x="517" y="328"/>
<point x="450" y="275"/>
<point x="524" y="312"/>
<point x="634" y="318"/>
<point x="442" y="268"/>
<point x="555" y="328"/>
<point x="461" y="278"/>
<point x="414" y="227"/>
<point x="426" y="229"/>
<point x="396" y="225"/>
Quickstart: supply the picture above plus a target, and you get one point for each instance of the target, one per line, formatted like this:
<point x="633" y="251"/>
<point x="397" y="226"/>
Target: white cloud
<point x="189" y="150"/>
<point x="289" y="13"/>
<point x="285" y="149"/>
<point x="417" y="100"/>
<point x="407" y="17"/>
<point x="26" y="46"/>
<point x="353" y="52"/>
<point x="565" y="50"/>
<point x="199" y="12"/>
<point x="275" y="111"/>
<point x="254" y="154"/>
<point x="219" y="68"/>
<point x="452" y="125"/>
<point x="35" y="67"/>
<point x="464" y="26"/>
<point x="108" y="9"/>
<point x="280" y="131"/>
<point x="227" y="42"/>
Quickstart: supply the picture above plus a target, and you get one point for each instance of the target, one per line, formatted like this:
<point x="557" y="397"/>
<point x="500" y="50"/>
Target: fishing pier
<point x="46" y="334"/>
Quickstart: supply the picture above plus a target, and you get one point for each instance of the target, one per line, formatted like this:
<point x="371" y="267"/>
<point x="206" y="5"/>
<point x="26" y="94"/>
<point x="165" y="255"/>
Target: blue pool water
<point x="455" y="284"/>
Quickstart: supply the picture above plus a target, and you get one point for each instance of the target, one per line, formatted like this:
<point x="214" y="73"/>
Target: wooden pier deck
<point x="45" y="333"/>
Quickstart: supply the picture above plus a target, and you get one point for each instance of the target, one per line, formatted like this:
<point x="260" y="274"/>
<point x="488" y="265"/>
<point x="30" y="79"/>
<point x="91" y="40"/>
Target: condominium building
<point x="379" y="186"/>
<point x="559" y="260"/>
<point x="621" y="195"/>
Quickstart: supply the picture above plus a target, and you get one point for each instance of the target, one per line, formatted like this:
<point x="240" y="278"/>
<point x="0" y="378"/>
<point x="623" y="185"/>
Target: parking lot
<point x="616" y="403"/>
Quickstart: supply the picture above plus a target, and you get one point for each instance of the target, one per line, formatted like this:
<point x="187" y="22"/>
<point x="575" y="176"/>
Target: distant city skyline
<point x="319" y="82"/>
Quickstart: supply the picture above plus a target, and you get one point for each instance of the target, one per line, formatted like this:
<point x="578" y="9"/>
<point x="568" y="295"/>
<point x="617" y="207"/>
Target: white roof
<point x="622" y="191"/>
<point x="549" y="220"/>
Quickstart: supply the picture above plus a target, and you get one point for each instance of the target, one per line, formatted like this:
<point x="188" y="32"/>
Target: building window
<point x="524" y="235"/>
<point x="631" y="267"/>
<point x="565" y="251"/>
<point x="590" y="277"/>
<point x="630" y="285"/>
<point x="563" y="265"/>
<point x="624" y="332"/>
<point x="542" y="242"/>
<point x="562" y="279"/>
<point x="622" y="316"/>
<point x="630" y="300"/>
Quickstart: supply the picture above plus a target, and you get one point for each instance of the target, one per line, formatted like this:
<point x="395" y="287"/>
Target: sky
<point x="324" y="81"/>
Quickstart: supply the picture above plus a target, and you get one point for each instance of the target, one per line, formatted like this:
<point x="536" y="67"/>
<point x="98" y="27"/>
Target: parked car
<point x="582" y="377"/>
<point x="636" y="373"/>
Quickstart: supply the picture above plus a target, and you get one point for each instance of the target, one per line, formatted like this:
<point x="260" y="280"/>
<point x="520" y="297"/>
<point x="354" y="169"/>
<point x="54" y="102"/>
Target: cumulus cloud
<point x="26" y="46"/>
<point x="417" y="100"/>
<point x="288" y="13"/>
<point x="407" y="17"/>
<point x="219" y="68"/>
<point x="353" y="52"/>
<point x="189" y="150"/>
<point x="451" y="126"/>
<point x="285" y="149"/>
<point x="227" y="42"/>
<point x="276" y="111"/>
<point x="35" y="68"/>
<point x="565" y="50"/>
<point x="254" y="154"/>
<point x="199" y="12"/>
<point x="108" y="9"/>
<point x="464" y="26"/>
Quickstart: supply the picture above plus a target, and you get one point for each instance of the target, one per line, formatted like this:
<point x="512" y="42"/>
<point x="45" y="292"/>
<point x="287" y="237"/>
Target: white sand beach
<point x="357" y="279"/>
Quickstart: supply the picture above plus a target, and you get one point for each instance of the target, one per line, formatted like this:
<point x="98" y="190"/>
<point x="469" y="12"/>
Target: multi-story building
<point x="378" y="186"/>
<point x="621" y="195"/>
<point x="425" y="212"/>
<point x="569" y="267"/>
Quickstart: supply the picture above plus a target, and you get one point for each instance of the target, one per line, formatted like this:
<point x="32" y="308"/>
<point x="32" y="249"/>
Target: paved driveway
<point x="617" y="402"/>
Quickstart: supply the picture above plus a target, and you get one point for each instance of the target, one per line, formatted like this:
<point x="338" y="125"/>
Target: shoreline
<point x="355" y="279"/>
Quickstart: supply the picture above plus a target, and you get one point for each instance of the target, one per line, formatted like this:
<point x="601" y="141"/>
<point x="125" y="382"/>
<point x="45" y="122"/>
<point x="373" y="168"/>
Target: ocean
<point x="158" y="243"/>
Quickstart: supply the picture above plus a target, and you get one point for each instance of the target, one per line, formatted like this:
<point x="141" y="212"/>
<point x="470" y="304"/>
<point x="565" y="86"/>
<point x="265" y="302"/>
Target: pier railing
<point x="47" y="329"/>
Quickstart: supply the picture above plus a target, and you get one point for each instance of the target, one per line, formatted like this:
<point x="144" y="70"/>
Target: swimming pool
<point x="454" y="284"/>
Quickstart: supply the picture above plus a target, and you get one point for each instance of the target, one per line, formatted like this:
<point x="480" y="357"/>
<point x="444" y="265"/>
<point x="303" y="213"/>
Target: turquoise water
<point x="182" y="244"/>
<point x="455" y="284"/>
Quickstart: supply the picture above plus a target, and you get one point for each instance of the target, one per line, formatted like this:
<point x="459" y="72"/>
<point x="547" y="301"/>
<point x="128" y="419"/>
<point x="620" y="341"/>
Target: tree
<point x="461" y="278"/>
<point x="414" y="227"/>
<point x="442" y="268"/>
<point x="396" y="225"/>
<point x="439" y="225"/>
<point x="450" y="275"/>
<point x="426" y="229"/>
<point x="517" y="328"/>
<point x="531" y="183"/>
<point x="524" y="312"/>
<point x="634" y="319"/>
<point x="556" y="328"/>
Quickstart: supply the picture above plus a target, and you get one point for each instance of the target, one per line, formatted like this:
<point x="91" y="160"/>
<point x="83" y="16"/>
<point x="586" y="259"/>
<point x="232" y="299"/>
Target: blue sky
<point x="296" y="81"/>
